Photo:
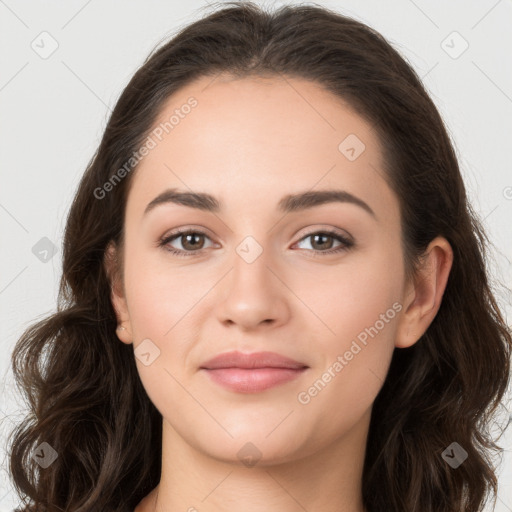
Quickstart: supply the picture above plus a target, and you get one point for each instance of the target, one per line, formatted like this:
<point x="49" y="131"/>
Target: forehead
<point x="259" y="138"/>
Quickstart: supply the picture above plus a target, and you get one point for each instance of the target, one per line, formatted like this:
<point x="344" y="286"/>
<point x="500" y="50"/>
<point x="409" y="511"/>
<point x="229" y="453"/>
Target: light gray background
<point x="54" y="111"/>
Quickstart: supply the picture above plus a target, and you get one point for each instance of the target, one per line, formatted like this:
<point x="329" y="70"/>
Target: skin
<point x="249" y="142"/>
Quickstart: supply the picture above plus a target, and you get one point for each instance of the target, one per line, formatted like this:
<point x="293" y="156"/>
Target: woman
<point x="208" y="352"/>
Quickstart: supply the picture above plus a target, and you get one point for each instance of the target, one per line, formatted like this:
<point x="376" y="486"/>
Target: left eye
<point x="319" y="240"/>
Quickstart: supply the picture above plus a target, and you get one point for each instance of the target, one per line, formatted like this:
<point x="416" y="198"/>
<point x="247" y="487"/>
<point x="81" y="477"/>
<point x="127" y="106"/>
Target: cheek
<point x="359" y="318"/>
<point x="159" y="293"/>
<point x="161" y="303"/>
<point x="349" y="298"/>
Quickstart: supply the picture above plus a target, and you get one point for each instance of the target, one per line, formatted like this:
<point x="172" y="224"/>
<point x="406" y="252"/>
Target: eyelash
<point x="347" y="244"/>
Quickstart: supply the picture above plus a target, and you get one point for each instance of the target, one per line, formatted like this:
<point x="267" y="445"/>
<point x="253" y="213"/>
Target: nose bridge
<point x="253" y="246"/>
<point x="250" y="267"/>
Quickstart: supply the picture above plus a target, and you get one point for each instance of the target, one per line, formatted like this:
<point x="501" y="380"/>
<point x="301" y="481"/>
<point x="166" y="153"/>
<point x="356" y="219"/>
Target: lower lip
<point x="244" y="380"/>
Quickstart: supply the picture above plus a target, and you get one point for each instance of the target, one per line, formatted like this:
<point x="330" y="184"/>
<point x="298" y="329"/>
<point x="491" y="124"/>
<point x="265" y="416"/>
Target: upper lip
<point x="253" y="360"/>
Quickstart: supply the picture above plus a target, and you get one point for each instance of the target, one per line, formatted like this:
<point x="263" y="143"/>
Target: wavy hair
<point x="81" y="384"/>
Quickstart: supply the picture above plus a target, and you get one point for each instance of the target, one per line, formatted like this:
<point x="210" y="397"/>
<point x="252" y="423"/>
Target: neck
<point x="328" y="479"/>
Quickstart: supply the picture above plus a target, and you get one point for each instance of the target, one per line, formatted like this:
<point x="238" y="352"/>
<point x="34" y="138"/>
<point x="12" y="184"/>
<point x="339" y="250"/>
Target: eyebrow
<point x="288" y="204"/>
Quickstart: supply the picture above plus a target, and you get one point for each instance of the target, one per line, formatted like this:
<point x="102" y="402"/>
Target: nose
<point x="254" y="295"/>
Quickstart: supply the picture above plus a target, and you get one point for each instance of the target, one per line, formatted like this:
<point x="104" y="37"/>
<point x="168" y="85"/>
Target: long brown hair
<point x="82" y="386"/>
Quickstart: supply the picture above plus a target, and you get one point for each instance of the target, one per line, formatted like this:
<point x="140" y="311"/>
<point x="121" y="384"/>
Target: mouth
<point x="252" y="373"/>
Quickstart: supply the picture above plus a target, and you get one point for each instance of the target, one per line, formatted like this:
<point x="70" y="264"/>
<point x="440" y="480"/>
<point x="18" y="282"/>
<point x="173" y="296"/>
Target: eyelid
<point x="308" y="230"/>
<point x="313" y="229"/>
<point x="191" y="228"/>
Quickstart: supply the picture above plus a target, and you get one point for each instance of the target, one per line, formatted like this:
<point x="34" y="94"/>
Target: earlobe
<point x="423" y="298"/>
<point x="124" y="335"/>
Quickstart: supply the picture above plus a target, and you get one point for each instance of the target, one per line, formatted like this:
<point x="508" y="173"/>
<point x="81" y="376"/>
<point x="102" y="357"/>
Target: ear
<point x="112" y="266"/>
<point x="422" y="298"/>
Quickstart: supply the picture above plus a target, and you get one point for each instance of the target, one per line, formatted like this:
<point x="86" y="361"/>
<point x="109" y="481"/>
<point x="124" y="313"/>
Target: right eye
<point x="190" y="244"/>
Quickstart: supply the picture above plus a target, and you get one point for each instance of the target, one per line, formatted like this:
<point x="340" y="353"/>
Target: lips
<point x="252" y="373"/>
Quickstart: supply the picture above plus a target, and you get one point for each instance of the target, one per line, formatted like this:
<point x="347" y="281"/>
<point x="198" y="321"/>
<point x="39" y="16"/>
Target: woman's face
<point x="260" y="273"/>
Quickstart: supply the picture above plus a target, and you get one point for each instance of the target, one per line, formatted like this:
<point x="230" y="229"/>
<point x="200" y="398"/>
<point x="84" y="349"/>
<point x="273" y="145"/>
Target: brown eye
<point x="191" y="241"/>
<point x="321" y="241"/>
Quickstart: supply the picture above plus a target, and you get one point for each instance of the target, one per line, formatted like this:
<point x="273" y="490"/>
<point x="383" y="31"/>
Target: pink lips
<point x="251" y="373"/>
